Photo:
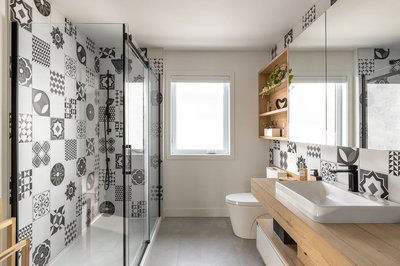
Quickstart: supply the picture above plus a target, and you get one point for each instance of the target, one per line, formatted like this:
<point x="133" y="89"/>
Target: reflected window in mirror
<point x="318" y="110"/>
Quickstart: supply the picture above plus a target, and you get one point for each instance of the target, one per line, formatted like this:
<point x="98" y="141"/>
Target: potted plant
<point x="271" y="129"/>
<point x="279" y="73"/>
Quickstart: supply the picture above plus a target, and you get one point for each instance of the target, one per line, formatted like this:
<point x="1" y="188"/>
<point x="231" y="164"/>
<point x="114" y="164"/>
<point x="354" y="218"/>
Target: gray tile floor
<point x="201" y="242"/>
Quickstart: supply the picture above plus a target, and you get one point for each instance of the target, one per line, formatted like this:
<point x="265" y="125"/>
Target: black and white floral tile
<point x="57" y="142"/>
<point x="378" y="174"/>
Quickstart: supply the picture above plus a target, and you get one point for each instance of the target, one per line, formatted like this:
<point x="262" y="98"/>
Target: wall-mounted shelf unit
<point x="267" y="109"/>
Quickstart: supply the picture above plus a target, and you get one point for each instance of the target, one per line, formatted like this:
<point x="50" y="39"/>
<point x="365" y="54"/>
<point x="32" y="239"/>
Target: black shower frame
<point x="127" y="39"/>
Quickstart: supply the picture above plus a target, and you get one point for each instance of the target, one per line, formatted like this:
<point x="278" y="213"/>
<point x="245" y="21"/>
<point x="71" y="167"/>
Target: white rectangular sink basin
<point x="326" y="203"/>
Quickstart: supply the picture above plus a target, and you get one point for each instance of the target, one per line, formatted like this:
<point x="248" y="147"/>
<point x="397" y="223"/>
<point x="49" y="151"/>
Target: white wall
<point x="4" y="92"/>
<point x="198" y="187"/>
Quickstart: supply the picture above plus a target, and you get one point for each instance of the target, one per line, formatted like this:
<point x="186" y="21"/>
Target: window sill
<point x="200" y="157"/>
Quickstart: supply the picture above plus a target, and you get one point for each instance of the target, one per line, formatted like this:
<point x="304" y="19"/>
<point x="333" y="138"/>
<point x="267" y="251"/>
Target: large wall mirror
<point x="356" y="102"/>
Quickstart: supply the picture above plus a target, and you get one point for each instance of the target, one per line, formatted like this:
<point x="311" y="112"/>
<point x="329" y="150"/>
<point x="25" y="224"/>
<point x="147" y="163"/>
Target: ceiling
<point x="194" y="24"/>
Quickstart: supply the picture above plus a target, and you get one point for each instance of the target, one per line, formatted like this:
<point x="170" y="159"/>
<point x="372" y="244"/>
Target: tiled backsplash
<point x="378" y="170"/>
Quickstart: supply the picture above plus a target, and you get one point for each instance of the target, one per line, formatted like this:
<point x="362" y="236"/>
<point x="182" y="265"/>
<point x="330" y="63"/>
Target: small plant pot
<point x="272" y="132"/>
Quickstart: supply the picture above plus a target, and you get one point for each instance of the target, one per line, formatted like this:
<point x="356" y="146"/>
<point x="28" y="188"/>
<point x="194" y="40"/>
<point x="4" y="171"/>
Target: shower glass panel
<point x="136" y="156"/>
<point x="68" y="186"/>
<point x="154" y="148"/>
<point x="85" y="144"/>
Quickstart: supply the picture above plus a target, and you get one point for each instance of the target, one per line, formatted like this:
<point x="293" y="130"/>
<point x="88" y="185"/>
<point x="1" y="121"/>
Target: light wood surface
<point x="281" y="116"/>
<point x="9" y="254"/>
<point x="288" y="252"/>
<point x="331" y="244"/>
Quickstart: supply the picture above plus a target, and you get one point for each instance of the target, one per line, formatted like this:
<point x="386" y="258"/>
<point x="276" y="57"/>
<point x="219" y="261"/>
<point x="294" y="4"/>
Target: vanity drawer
<point x="267" y="251"/>
<point x="272" y="250"/>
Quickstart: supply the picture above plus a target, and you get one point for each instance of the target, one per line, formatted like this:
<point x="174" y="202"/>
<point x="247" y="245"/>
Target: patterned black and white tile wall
<point x="57" y="143"/>
<point x="378" y="169"/>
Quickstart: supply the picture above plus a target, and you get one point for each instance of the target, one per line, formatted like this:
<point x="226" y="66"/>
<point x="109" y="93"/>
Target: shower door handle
<point x="128" y="159"/>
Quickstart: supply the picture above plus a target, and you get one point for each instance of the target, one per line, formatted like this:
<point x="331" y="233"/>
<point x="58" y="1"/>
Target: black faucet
<point x="353" y="176"/>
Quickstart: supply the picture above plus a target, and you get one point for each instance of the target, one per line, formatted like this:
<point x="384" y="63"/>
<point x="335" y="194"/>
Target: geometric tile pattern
<point x="288" y="38"/>
<point x="70" y="190"/>
<point x="70" y="232"/>
<point x="81" y="167"/>
<point x="57" y="128"/>
<point x="81" y="129"/>
<point x="57" y="83"/>
<point x="81" y="53"/>
<point x="119" y="129"/>
<point x="70" y="149"/>
<point x="70" y="29"/>
<point x="24" y="72"/>
<point x="394" y="163"/>
<point x="25" y="233"/>
<point x="105" y="52"/>
<point x="347" y="156"/>
<point x="374" y="183"/>
<point x="327" y="176"/>
<point x="24" y="128"/>
<point x="90" y="150"/>
<point x="110" y="145"/>
<point x="107" y="208"/>
<point x="119" y="161"/>
<point x="90" y="77"/>
<point x="309" y="17"/>
<point x="40" y="153"/>
<point x="157" y="64"/>
<point x="40" y="102"/>
<point x="43" y="7"/>
<point x="70" y="108"/>
<point x="57" y="220"/>
<point x="41" y="204"/>
<point x="90" y="45"/>
<point x="283" y="160"/>
<point x="314" y="151"/>
<point x="70" y="67"/>
<point x="119" y="193"/>
<point x="24" y="184"/>
<point x="271" y="156"/>
<point x="20" y="12"/>
<point x="107" y="81"/>
<point x="155" y="161"/>
<point x="102" y="177"/>
<point x="79" y="205"/>
<point x="292" y="147"/>
<point x="138" y="177"/>
<point x="80" y="91"/>
<point x="138" y="209"/>
<point x="41" y="254"/>
<point x="40" y="51"/>
<point x="57" y="174"/>
<point x="277" y="144"/>
<point x="366" y="66"/>
<point x="57" y="36"/>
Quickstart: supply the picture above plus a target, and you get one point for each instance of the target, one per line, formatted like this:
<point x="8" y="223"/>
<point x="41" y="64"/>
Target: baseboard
<point x="186" y="212"/>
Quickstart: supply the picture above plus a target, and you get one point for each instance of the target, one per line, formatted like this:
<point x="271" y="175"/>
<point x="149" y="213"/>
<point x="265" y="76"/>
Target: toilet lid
<point x="244" y="199"/>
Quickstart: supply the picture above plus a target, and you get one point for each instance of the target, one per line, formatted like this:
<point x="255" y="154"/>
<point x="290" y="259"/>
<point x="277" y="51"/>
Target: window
<point x="200" y="115"/>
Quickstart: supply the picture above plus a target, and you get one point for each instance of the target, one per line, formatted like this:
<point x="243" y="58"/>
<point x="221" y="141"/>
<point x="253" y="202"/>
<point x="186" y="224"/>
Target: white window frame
<point x="171" y="153"/>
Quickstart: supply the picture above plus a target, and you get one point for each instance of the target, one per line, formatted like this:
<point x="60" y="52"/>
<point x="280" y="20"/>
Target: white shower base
<point x="101" y="244"/>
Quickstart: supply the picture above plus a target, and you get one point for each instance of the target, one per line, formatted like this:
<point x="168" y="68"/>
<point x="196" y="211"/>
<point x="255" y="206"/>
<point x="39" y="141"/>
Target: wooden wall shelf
<point x="267" y="102"/>
<point x="275" y="112"/>
<point x="274" y="138"/>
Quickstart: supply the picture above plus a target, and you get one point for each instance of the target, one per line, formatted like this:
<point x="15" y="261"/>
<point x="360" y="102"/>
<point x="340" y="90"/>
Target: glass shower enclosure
<point x="85" y="144"/>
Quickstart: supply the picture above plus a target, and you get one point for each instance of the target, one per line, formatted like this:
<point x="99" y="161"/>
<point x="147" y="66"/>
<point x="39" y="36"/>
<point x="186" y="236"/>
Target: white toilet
<point x="244" y="210"/>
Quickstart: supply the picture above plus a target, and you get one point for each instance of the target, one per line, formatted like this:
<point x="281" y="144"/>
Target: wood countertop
<point x="331" y="244"/>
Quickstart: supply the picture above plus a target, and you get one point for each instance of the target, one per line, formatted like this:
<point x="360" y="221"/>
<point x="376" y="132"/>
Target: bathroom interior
<point x="200" y="133"/>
